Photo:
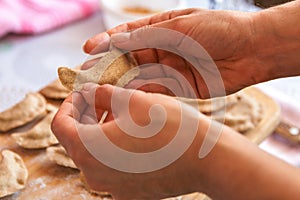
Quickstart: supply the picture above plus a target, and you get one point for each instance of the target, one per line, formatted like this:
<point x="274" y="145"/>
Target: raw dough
<point x="13" y="173"/>
<point x="243" y="115"/>
<point x="191" y="196"/>
<point x="109" y="70"/>
<point x="210" y="105"/>
<point x="90" y="190"/>
<point x="59" y="155"/>
<point x="238" y="111"/>
<point x="55" y="90"/>
<point x="40" y="136"/>
<point x="31" y="107"/>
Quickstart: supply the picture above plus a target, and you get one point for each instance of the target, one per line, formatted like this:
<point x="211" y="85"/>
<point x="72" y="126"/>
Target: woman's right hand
<point x="227" y="36"/>
<point x="248" y="48"/>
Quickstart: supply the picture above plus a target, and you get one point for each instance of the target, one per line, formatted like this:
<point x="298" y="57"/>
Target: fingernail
<point x="100" y="43"/>
<point x="120" y="37"/>
<point x="105" y="38"/>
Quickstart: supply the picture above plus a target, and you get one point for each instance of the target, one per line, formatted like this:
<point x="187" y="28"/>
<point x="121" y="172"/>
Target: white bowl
<point x="117" y="12"/>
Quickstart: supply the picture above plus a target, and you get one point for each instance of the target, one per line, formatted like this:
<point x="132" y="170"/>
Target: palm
<point x="226" y="37"/>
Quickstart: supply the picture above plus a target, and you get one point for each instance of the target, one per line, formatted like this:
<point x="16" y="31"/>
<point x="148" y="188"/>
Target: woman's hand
<point x="247" y="48"/>
<point x="233" y="169"/>
<point x="156" y="121"/>
<point x="227" y="36"/>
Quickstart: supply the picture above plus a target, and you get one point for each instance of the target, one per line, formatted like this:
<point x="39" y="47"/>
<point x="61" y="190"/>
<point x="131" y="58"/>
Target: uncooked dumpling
<point x="109" y="70"/>
<point x="55" y="90"/>
<point x="59" y="155"/>
<point x="243" y="115"/>
<point x="210" y="105"/>
<point x="90" y="190"/>
<point x="40" y="136"/>
<point x="238" y="111"/>
<point x="13" y="173"/>
<point x="31" y="107"/>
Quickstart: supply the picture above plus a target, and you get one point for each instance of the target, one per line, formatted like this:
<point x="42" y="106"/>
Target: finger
<point x="171" y="36"/>
<point x="165" y="69"/>
<point x="95" y="119"/>
<point x="79" y="105"/>
<point x="168" y="86"/>
<point x="90" y="63"/>
<point x="161" y="17"/>
<point x="98" y="97"/>
<point x="97" y="44"/>
<point x="89" y="119"/>
<point x="150" y="71"/>
<point x="100" y="42"/>
<point x="154" y="88"/>
<point x="160" y="36"/>
<point x="64" y="124"/>
<point x="146" y="56"/>
<point x="106" y="98"/>
<point x="93" y="116"/>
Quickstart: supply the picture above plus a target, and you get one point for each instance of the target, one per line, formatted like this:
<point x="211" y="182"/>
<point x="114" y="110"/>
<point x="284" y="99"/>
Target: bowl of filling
<point x="116" y="12"/>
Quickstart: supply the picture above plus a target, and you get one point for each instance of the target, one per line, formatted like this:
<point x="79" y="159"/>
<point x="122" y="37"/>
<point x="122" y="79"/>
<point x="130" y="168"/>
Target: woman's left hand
<point x="77" y="127"/>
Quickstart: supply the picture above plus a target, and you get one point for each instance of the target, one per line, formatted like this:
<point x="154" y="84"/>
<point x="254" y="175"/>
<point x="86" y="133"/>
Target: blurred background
<point x="37" y="36"/>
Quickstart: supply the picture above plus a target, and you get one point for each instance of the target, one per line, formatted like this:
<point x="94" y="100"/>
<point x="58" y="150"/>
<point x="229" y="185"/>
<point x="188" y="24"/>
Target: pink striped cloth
<point x="37" y="16"/>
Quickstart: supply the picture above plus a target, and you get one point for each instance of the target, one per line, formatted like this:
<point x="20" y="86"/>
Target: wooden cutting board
<point x="50" y="181"/>
<point x="270" y="119"/>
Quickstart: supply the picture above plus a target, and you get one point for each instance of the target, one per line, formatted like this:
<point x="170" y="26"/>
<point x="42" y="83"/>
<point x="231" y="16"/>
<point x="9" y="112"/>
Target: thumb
<point x="98" y="97"/>
<point x="105" y="96"/>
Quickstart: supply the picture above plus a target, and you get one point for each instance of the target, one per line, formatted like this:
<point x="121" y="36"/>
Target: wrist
<point x="277" y="41"/>
<point x="235" y="168"/>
